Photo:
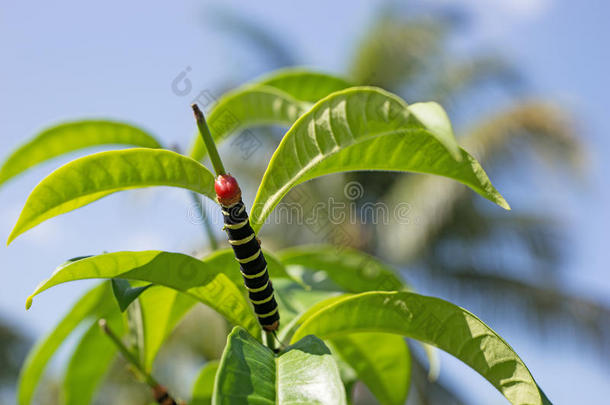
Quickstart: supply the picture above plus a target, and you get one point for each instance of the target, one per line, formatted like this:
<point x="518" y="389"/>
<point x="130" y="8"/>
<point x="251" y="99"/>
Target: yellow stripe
<point x="268" y="314"/>
<point x="225" y="213"/>
<point x="255" y="275"/>
<point x="242" y="241"/>
<point x="263" y="301"/>
<point x="259" y="289"/>
<point x="238" y="225"/>
<point x="251" y="258"/>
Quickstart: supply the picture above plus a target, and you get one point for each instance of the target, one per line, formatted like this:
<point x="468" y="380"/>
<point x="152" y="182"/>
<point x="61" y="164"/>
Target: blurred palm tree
<point x="477" y="250"/>
<point x="13" y="348"/>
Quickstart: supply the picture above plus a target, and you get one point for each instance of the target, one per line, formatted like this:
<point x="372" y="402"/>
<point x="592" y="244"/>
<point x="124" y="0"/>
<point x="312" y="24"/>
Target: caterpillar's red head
<point x="227" y="189"/>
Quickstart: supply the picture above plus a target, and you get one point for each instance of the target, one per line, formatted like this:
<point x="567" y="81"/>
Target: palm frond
<point x="394" y="52"/>
<point x="433" y="200"/>
<point x="276" y="53"/>
<point x="543" y="304"/>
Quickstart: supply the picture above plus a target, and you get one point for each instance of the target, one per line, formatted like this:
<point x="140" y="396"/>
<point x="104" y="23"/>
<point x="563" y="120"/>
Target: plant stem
<point x="159" y="392"/>
<point x="204" y="131"/>
<point x="270" y="341"/>
<point x="206" y="223"/>
<point x="127" y="354"/>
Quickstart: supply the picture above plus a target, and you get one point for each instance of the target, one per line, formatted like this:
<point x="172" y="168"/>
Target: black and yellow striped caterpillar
<point x="248" y="253"/>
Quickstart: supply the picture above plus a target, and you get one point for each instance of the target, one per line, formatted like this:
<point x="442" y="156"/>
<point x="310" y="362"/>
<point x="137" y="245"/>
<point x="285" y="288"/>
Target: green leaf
<point x="173" y="270"/>
<point x="250" y="373"/>
<point x="72" y="136"/>
<point x="90" y="361"/>
<point x="278" y="98"/>
<point x="382" y="361"/>
<point x="134" y="339"/>
<point x="293" y="300"/>
<point x="288" y="330"/>
<point x="365" y="128"/>
<point x="350" y="269"/>
<point x="303" y="84"/>
<point x="433" y="321"/>
<point x="124" y="293"/>
<point x="43" y="351"/>
<point x="161" y="309"/>
<point x="248" y="106"/>
<point x="92" y="177"/>
<point x="385" y="370"/>
<point x="203" y="388"/>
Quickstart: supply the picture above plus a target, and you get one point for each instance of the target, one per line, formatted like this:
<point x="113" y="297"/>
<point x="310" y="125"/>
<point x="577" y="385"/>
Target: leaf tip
<point x="504" y="204"/>
<point x="17" y="230"/>
<point x="28" y="302"/>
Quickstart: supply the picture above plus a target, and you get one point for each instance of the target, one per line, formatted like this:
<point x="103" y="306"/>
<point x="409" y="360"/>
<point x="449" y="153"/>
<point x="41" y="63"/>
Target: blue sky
<point x="69" y="59"/>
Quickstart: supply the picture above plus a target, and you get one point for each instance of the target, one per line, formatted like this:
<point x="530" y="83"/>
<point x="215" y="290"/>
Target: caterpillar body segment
<point x="248" y="253"/>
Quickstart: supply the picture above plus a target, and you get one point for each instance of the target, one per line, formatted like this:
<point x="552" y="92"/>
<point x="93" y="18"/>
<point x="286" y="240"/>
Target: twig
<point x="160" y="392"/>
<point x="204" y="131"/>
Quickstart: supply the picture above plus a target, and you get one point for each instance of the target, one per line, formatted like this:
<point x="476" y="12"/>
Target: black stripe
<point x="261" y="295"/>
<point x="262" y="309"/>
<point x="269" y="320"/>
<point x="246" y="250"/>
<point x="258" y="282"/>
<point x="236" y="234"/>
<point x="237" y="213"/>
<point x="255" y="266"/>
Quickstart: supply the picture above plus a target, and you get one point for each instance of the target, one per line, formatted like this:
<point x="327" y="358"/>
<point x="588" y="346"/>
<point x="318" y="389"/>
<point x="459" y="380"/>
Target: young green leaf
<point x="250" y="373"/>
<point x="173" y="270"/>
<point x="297" y="304"/>
<point x="382" y="361"/>
<point x="90" y="361"/>
<point x="433" y="321"/>
<point x="303" y="84"/>
<point x="161" y="309"/>
<point x="288" y="330"/>
<point x="278" y="98"/>
<point x="69" y="137"/>
<point x="352" y="270"/>
<point x="203" y="388"/>
<point x="385" y="370"/>
<point x="92" y="177"/>
<point x="365" y="128"/>
<point x="135" y="332"/>
<point x="124" y="293"/>
<point x="88" y="306"/>
<point x="248" y="106"/>
<point x="294" y="299"/>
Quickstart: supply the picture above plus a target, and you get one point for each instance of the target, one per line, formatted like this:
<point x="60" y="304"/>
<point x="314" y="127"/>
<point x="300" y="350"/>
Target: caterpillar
<point x="247" y="250"/>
